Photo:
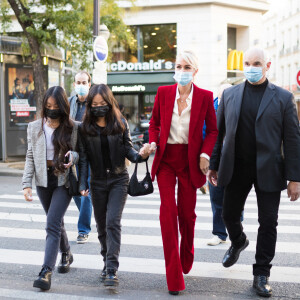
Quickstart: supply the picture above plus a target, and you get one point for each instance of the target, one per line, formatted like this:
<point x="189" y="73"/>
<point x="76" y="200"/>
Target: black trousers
<point x="108" y="197"/>
<point x="235" y="195"/>
<point x="55" y="201"/>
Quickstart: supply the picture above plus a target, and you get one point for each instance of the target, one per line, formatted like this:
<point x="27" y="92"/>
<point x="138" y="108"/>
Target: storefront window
<point x="154" y="45"/>
<point x="158" y="42"/>
<point x="126" y="52"/>
<point x="131" y="112"/>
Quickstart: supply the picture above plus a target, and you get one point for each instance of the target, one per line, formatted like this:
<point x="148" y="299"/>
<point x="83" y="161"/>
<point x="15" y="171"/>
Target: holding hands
<point x="147" y="149"/>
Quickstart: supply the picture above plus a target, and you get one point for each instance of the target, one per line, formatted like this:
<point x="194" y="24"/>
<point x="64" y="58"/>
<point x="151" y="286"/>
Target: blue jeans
<point x="216" y="195"/>
<point x="84" y="205"/>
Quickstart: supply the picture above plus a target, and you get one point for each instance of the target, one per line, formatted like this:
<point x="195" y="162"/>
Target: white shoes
<point x="215" y="241"/>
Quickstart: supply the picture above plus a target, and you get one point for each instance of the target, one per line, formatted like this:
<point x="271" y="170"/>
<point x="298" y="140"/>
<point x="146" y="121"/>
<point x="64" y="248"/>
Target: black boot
<point x="233" y="253"/>
<point x="103" y="274"/>
<point x="111" y="278"/>
<point x="174" y="293"/>
<point x="65" y="262"/>
<point x="44" y="279"/>
<point x="261" y="286"/>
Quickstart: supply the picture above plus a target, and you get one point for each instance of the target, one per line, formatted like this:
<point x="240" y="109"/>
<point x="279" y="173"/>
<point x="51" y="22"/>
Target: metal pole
<point x="3" y="119"/>
<point x="96" y="18"/>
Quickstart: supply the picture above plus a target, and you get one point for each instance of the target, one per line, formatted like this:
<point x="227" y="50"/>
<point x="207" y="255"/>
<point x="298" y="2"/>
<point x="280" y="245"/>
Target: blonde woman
<point x="181" y="156"/>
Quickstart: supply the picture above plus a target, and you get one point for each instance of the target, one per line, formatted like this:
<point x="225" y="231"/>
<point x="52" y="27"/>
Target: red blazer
<point x="202" y="110"/>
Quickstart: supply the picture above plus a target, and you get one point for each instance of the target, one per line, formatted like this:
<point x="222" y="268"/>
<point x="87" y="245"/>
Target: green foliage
<point x="67" y="24"/>
<point x="5" y="19"/>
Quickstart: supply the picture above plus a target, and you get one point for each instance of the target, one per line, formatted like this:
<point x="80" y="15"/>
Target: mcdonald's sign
<point x="235" y="60"/>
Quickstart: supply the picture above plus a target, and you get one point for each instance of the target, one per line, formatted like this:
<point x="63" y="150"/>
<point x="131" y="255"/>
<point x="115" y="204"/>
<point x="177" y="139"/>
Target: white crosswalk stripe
<point x="143" y="213"/>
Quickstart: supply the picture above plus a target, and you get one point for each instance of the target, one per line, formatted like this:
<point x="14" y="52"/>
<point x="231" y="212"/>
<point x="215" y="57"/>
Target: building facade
<point x="161" y="29"/>
<point x="282" y="41"/>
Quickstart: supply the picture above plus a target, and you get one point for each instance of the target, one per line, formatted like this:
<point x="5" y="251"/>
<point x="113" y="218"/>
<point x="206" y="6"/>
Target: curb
<point x="10" y="174"/>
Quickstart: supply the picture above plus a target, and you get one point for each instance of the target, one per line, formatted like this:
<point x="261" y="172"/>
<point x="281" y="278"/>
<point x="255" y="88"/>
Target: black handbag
<point x="140" y="188"/>
<point x="73" y="182"/>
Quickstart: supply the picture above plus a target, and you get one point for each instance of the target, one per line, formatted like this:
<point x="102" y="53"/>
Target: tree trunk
<point x="37" y="61"/>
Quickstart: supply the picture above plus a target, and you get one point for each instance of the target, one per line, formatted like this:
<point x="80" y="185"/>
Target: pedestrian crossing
<point x="21" y="222"/>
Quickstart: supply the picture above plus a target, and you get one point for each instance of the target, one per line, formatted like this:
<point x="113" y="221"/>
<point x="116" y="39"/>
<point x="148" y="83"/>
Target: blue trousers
<point x="84" y="205"/>
<point x="216" y="195"/>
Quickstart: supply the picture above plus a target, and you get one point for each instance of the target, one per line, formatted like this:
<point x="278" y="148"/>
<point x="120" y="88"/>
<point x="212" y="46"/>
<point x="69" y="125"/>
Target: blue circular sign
<point x="100" y="49"/>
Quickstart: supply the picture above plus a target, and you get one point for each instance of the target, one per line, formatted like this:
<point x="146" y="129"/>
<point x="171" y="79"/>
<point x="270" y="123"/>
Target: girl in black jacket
<point x="104" y="143"/>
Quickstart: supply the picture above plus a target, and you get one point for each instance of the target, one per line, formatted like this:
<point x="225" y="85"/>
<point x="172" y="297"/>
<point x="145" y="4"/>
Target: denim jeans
<point x="55" y="201"/>
<point x="84" y="205"/>
<point x="216" y="194"/>
<point x="109" y="196"/>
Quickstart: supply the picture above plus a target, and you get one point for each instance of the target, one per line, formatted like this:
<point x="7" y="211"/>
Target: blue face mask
<point x="81" y="89"/>
<point x="183" y="78"/>
<point x="253" y="74"/>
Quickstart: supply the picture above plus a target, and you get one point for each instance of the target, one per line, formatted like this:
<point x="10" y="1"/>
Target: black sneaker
<point x="65" y="262"/>
<point x="82" y="238"/>
<point x="111" y="278"/>
<point x="44" y="279"/>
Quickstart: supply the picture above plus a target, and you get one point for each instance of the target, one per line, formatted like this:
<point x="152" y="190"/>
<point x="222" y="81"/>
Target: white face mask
<point x="82" y="89"/>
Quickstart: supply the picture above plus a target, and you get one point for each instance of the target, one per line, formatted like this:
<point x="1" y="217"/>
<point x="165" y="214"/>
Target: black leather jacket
<point x="120" y="146"/>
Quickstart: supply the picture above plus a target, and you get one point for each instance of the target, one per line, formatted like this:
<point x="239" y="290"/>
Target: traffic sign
<point x="298" y="78"/>
<point x="100" y="49"/>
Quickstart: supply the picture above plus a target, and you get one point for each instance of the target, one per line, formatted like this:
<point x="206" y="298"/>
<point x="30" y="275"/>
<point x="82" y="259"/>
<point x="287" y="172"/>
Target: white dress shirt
<point x="179" y="130"/>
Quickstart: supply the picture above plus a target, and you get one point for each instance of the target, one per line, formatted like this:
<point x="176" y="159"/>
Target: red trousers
<point x="174" y="165"/>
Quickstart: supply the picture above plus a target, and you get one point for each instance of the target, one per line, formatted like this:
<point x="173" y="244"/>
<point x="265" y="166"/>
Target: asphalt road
<point x="141" y="273"/>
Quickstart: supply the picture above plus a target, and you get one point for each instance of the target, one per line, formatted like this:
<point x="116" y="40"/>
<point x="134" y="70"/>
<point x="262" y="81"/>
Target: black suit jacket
<point x="277" y="138"/>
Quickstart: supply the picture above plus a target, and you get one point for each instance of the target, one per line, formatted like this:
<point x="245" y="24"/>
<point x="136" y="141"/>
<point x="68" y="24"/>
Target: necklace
<point x="52" y="124"/>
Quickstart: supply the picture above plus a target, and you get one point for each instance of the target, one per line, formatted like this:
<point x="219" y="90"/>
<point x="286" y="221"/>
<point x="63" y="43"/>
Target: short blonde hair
<point x="190" y="57"/>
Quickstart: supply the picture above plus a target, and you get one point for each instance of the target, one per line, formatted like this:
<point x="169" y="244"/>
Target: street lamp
<point x="104" y="31"/>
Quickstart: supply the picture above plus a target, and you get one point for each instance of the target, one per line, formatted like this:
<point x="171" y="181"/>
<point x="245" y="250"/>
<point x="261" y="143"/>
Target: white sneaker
<point x="215" y="241"/>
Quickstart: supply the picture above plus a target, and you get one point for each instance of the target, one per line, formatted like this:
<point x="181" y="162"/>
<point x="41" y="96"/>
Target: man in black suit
<point x="258" y="144"/>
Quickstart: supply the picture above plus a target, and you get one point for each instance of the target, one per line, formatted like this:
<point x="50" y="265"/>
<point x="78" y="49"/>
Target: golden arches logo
<point x="235" y="60"/>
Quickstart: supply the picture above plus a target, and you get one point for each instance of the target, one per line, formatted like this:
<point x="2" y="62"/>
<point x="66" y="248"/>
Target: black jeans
<point x="235" y="195"/>
<point x="108" y="197"/>
<point x="55" y="200"/>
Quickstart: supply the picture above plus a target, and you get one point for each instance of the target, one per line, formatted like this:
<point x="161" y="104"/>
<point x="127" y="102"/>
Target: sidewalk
<point x="15" y="169"/>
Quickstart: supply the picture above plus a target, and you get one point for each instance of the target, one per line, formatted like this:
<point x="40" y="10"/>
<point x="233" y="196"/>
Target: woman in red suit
<point x="181" y="156"/>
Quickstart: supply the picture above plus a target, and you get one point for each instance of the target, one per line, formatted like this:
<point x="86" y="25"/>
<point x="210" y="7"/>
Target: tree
<point x="60" y="23"/>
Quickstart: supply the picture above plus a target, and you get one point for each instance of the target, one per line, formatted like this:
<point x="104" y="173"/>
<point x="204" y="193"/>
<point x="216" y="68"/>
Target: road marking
<point x="152" y="266"/>
<point x="137" y="223"/>
<point x="21" y="294"/>
<point x="142" y="211"/>
<point x="139" y="240"/>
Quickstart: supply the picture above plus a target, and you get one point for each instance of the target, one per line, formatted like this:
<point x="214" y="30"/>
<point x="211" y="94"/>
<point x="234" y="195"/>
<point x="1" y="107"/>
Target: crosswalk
<point x="22" y="223"/>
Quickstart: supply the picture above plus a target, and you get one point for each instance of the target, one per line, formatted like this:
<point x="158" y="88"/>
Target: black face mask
<point x="53" y="113"/>
<point x="100" y="111"/>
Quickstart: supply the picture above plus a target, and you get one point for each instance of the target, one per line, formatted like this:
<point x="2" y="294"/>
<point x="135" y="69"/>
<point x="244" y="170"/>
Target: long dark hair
<point x="113" y="118"/>
<point x="62" y="134"/>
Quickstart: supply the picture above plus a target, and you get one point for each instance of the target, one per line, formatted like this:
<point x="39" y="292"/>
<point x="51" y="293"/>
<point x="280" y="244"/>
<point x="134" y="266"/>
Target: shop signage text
<point x="131" y="88"/>
<point x="152" y="65"/>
